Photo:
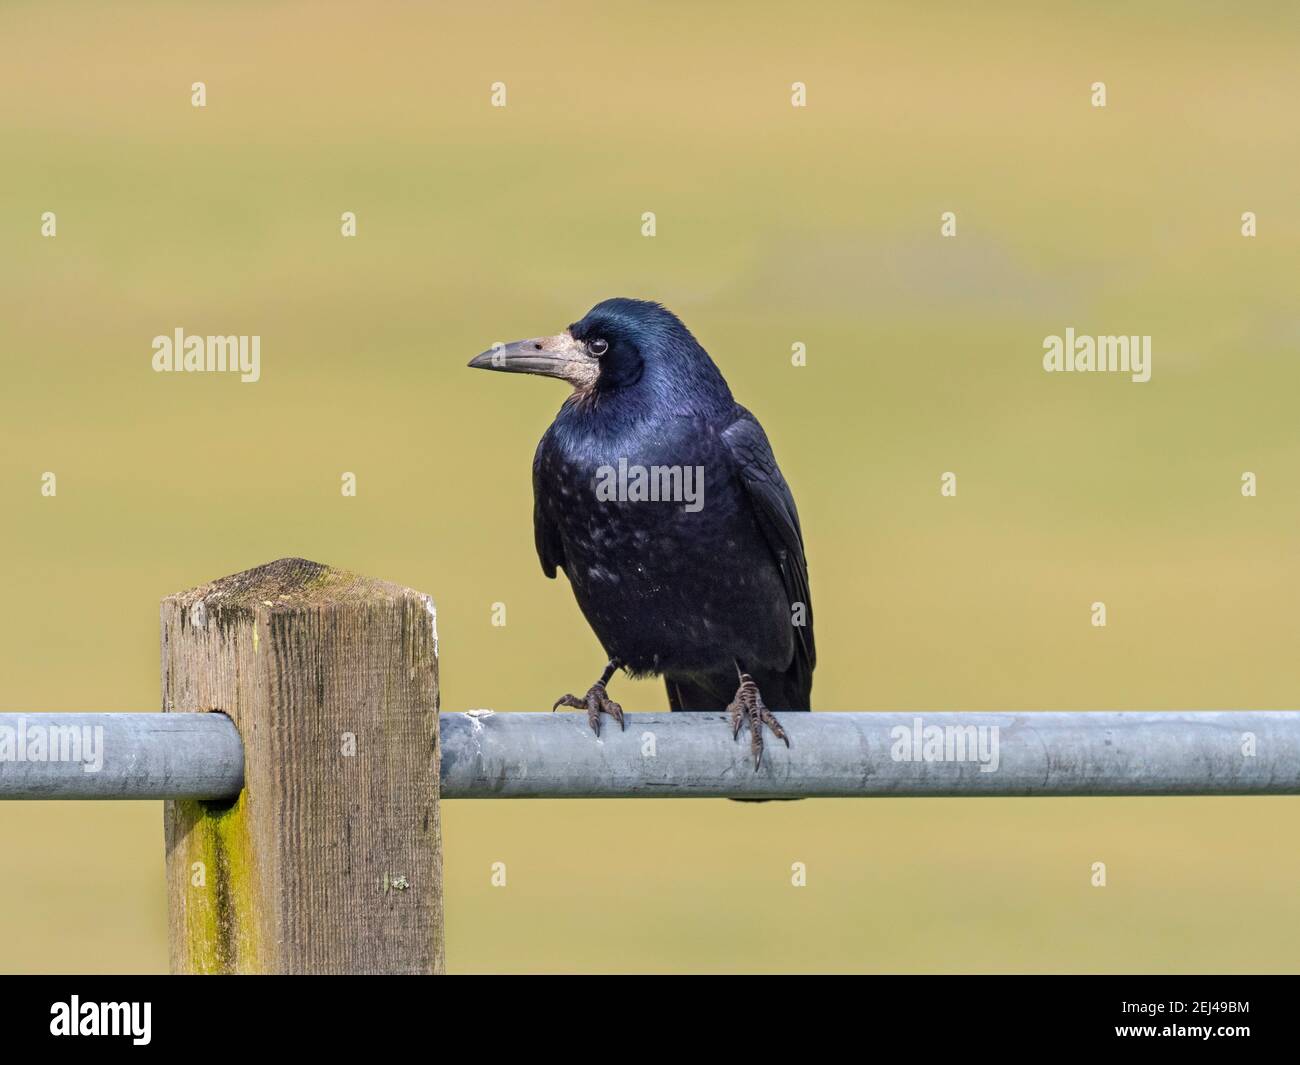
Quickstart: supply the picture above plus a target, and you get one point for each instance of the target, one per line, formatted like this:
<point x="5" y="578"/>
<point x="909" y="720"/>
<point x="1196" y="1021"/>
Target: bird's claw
<point x="595" y="702"/>
<point x="748" y="708"/>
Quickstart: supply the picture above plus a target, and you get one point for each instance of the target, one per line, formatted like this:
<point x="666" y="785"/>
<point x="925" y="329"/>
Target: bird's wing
<point x="777" y="517"/>
<point x="550" y="551"/>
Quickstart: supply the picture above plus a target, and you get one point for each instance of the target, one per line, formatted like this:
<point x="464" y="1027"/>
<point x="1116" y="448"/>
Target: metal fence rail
<point x="874" y="754"/>
<point x="120" y="756"/>
<point x="542" y="755"/>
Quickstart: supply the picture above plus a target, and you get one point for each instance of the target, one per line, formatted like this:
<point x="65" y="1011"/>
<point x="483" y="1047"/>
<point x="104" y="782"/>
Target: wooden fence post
<point x="330" y="861"/>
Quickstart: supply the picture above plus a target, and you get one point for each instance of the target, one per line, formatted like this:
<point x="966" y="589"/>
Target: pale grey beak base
<point x="557" y="356"/>
<point x="520" y="357"/>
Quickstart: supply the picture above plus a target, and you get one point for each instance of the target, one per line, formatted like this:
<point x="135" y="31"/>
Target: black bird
<point x="658" y="495"/>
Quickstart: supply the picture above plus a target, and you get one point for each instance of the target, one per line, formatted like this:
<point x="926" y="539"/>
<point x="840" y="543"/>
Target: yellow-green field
<point x="775" y="225"/>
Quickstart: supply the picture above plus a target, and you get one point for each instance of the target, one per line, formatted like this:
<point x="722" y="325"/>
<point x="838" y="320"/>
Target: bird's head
<point x="621" y="346"/>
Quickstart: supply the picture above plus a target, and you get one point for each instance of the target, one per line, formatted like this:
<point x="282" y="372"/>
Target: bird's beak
<point x="558" y="356"/>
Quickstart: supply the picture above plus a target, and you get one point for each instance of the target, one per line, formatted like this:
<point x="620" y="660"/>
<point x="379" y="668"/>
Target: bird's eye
<point x="598" y="347"/>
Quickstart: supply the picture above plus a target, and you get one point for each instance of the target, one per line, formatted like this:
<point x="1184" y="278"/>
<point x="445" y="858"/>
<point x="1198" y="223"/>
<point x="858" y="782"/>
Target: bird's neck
<point x="614" y="413"/>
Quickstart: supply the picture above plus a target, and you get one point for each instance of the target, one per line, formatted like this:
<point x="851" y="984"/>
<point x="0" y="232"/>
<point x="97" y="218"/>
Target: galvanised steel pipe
<point x="848" y="755"/>
<point x="120" y="756"/>
<point x="845" y="755"/>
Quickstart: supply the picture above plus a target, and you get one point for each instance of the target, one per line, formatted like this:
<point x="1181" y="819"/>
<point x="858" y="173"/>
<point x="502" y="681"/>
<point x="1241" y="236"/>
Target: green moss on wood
<point x="221" y="917"/>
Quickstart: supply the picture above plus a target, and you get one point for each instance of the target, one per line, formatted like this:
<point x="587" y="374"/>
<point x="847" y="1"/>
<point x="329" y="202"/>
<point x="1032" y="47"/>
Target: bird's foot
<point x="595" y="702"/>
<point x="748" y="708"/>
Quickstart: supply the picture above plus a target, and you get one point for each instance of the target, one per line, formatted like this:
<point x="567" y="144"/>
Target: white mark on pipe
<point x="199" y="615"/>
<point x="476" y="717"/>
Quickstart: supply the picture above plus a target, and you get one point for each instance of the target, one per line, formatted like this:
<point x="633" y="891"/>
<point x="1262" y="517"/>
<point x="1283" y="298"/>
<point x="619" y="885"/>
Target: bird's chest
<point x="645" y="516"/>
<point x="664" y="554"/>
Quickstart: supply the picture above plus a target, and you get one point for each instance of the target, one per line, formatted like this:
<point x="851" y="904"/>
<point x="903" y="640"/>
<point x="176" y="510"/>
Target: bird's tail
<point x="789" y="690"/>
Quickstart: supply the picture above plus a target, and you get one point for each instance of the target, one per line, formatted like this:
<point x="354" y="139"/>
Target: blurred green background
<point x="776" y="225"/>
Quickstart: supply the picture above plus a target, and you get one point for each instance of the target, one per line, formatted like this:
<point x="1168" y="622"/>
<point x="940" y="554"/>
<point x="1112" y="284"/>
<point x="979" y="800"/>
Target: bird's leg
<point x="596" y="701"/>
<point x="748" y="708"/>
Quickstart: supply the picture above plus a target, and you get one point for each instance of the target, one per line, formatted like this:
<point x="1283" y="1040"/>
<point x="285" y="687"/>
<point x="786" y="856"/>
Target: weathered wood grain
<point x="330" y="861"/>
